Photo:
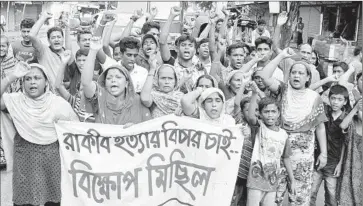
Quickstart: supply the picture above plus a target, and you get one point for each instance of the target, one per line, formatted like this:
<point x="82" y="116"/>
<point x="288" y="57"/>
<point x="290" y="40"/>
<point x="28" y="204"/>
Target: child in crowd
<point x="336" y="142"/>
<point x="271" y="144"/>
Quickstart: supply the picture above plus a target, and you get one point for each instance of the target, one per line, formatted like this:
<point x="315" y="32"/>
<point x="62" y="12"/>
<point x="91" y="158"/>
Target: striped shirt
<point x="247" y="148"/>
<point x="75" y="101"/>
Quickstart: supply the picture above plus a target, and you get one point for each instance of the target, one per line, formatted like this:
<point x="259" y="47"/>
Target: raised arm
<point x="248" y="66"/>
<point x="269" y="69"/>
<point x="89" y="87"/>
<point x="60" y="76"/>
<point x="223" y="30"/>
<point x="107" y="37"/>
<point x="282" y="18"/>
<point x="21" y="69"/>
<point x="153" y="13"/>
<point x="189" y="101"/>
<point x="349" y="118"/>
<point x="344" y="79"/>
<point x="251" y="117"/>
<point x="106" y="17"/>
<point x="316" y="85"/>
<point x="33" y="34"/>
<point x="164" y="48"/>
<point x="145" y="95"/>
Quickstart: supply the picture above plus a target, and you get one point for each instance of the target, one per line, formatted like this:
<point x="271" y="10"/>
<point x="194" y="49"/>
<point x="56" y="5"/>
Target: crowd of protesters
<point x="301" y="126"/>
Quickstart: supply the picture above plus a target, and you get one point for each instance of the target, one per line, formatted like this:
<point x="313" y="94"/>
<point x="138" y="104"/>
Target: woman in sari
<point x="112" y="99"/>
<point x="207" y="105"/>
<point x="302" y="116"/>
<point x="37" y="166"/>
<point x="161" y="90"/>
<point x="350" y="185"/>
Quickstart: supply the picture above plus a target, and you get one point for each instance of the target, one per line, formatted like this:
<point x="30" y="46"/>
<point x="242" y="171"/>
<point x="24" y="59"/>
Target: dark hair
<point x="235" y="46"/>
<point x="316" y="63"/>
<point x="148" y="26"/>
<point x="264" y="102"/>
<point x="343" y="65"/>
<point x="81" y="33"/>
<point x="184" y="38"/>
<point x="263" y="40"/>
<point x="27" y="23"/>
<point x="205" y="76"/>
<point x="6" y="39"/>
<point x="129" y="43"/>
<point x="308" y="71"/>
<point x="359" y="75"/>
<point x="53" y="29"/>
<point x="244" y="101"/>
<point x="341" y="90"/>
<point x="261" y="21"/>
<point x="205" y="40"/>
<point x="219" y="20"/>
<point x="81" y="52"/>
<point x="357" y="50"/>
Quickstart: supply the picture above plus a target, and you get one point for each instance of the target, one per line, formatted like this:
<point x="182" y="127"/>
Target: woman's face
<point x="166" y="79"/>
<point x="213" y="105"/>
<point x="298" y="76"/>
<point x="236" y="82"/>
<point x="35" y="83"/>
<point x="115" y="82"/>
<point x="205" y="83"/>
<point x="338" y="71"/>
<point x="313" y="58"/>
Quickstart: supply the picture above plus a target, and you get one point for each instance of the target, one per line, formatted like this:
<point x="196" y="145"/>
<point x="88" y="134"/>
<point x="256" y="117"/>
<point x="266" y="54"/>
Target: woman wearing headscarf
<point x="207" y="105"/>
<point x="303" y="117"/>
<point x="112" y="99"/>
<point x="161" y="90"/>
<point x="36" y="167"/>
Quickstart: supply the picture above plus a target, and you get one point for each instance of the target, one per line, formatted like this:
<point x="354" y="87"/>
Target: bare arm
<point x="189" y="101"/>
<point x="251" y="117"/>
<point x="349" y="118"/>
<point x="287" y="163"/>
<point x="224" y="25"/>
<point x="320" y="83"/>
<point x="321" y="136"/>
<point x="36" y="42"/>
<point x="106" y="39"/>
<point x="343" y="80"/>
<point x="59" y="86"/>
<point x="164" y="48"/>
<point x="89" y="87"/>
<point x="145" y="95"/>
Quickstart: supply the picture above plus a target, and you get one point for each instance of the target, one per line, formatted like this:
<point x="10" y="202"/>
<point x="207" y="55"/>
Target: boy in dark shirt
<point x="336" y="140"/>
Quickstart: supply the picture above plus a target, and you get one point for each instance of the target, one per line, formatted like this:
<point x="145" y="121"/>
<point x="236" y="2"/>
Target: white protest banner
<point x="166" y="161"/>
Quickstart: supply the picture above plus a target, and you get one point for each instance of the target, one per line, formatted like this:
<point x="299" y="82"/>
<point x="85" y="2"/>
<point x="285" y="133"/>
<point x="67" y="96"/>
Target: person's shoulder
<point x="140" y="69"/>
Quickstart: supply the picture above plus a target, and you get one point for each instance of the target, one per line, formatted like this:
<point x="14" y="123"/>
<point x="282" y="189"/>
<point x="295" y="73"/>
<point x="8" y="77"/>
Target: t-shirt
<point x="138" y="74"/>
<point x="25" y="53"/>
<point x="269" y="147"/>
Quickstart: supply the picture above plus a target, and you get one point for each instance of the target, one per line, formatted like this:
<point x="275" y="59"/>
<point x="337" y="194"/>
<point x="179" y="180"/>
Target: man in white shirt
<point x="260" y="31"/>
<point x="129" y="48"/>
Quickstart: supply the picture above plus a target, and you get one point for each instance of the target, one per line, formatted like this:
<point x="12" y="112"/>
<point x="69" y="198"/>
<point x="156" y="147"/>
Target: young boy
<point x="271" y="144"/>
<point x="336" y="140"/>
<point x="23" y="50"/>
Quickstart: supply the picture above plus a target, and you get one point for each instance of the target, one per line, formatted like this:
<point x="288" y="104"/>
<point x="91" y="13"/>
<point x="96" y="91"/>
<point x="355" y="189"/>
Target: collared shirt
<point x="138" y="74"/>
<point x="195" y="74"/>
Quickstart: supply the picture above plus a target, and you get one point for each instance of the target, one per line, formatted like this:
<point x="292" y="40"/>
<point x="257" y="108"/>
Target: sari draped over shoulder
<point x="165" y="103"/>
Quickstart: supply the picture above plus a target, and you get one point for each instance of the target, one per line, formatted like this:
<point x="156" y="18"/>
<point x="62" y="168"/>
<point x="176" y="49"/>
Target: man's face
<point x="237" y="58"/>
<point x="4" y="47"/>
<point x="117" y="54"/>
<point x="219" y="25"/>
<point x="305" y="52"/>
<point x="128" y="58"/>
<point x="84" y="41"/>
<point x="261" y="27"/>
<point x="149" y="46"/>
<point x="155" y="32"/>
<point x="25" y="34"/>
<point x="186" y="50"/>
<point x="264" y="50"/>
<point x="56" y="40"/>
<point x="204" y="50"/>
<point x="80" y="60"/>
<point x="230" y="23"/>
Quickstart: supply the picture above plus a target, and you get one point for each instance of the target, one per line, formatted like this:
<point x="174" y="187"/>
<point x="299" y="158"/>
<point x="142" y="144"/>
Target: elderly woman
<point x="207" y="105"/>
<point x="161" y="90"/>
<point x="112" y="99"/>
<point x="37" y="167"/>
<point x="303" y="117"/>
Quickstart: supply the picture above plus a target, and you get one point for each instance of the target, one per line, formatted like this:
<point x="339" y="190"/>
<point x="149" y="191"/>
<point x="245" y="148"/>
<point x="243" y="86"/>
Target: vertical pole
<point x="7" y="16"/>
<point x="22" y="17"/>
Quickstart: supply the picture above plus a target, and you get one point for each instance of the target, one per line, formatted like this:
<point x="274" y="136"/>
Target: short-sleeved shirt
<point x="25" y="53"/>
<point x="335" y="138"/>
<point x="138" y="74"/>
